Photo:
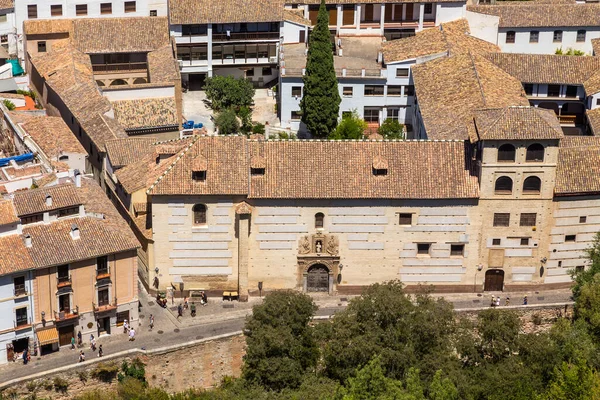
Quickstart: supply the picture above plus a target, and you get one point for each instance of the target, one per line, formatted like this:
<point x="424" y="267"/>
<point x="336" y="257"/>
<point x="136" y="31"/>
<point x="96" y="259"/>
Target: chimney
<point x="77" y="178"/>
<point x="28" y="241"/>
<point x="74" y="232"/>
<point x="48" y="200"/>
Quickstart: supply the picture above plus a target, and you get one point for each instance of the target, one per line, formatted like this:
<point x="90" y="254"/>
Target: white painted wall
<point x="546" y="44"/>
<point x="483" y="26"/>
<point x="7" y="311"/>
<point x="446" y="12"/>
<point x="291" y="32"/>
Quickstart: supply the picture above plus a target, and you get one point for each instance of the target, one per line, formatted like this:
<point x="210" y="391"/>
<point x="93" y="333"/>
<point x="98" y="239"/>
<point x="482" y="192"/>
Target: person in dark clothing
<point x="179" y="310"/>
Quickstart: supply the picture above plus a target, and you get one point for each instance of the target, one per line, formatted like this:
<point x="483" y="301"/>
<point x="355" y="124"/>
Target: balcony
<point x="63" y="281"/>
<point x="104" y="306"/>
<point x="22" y="323"/>
<point x="20" y="290"/>
<point x="218" y="37"/>
<point x="66" y="314"/>
<point x="102" y="273"/>
<point x="109" y="68"/>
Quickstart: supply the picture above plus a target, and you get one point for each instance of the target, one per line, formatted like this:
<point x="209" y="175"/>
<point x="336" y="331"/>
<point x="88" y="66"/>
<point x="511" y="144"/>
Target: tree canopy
<point x="225" y="92"/>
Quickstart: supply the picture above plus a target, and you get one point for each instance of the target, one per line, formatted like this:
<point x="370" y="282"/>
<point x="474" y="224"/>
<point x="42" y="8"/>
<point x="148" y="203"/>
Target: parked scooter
<point x="161" y="299"/>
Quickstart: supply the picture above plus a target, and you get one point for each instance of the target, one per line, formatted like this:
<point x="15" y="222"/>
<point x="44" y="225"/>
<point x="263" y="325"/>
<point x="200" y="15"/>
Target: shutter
<point x="348" y="15"/>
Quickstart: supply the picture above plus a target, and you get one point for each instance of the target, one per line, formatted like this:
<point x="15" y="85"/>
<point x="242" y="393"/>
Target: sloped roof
<point x="450" y="89"/>
<point x="596" y="46"/>
<point x="593" y="117"/>
<point x="578" y="170"/>
<point x="225" y="11"/>
<point x="126" y="151"/>
<point x="529" y="14"/>
<point x="163" y="66"/>
<point x="6" y="4"/>
<point x="33" y="201"/>
<point x="451" y="38"/>
<point x="296" y="16"/>
<point x="517" y="123"/>
<point x="14" y="256"/>
<point x="551" y="69"/>
<point x="52" y="135"/>
<point x="8" y="214"/>
<point x="146" y="113"/>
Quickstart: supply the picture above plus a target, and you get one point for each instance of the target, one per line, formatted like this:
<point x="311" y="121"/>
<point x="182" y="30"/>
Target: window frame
<point x="529" y="180"/>
<point x="105" y="8"/>
<point x="32" y="11"/>
<point x="423" y="249"/>
<point x="570" y="238"/>
<point x="525" y="219"/>
<point x="501" y="219"/>
<point x="512" y="152"/>
<point x="296" y="115"/>
<point x="534" y="37"/>
<point x="319" y="220"/>
<point x="582" y="219"/>
<point x="345" y="91"/>
<point x="394" y="88"/>
<point x="56" y="10"/>
<point x="524" y="241"/>
<point x="534" y="150"/>
<point x="557" y="36"/>
<point x="496" y="242"/>
<point x="501" y="182"/>
<point x="371" y="114"/>
<point x="580" y="33"/>
<point x="457" y="253"/>
<point x="200" y="216"/>
<point x="19" y="319"/>
<point x="511" y="37"/>
<point x="19" y="288"/>
<point x="296" y="91"/>
<point x="102" y="301"/>
<point x="404" y="74"/>
<point x="81" y="10"/>
<point x="428" y="9"/>
<point x="42" y="46"/>
<point x="127" y="7"/>
<point x="404" y="217"/>
<point x="374" y="90"/>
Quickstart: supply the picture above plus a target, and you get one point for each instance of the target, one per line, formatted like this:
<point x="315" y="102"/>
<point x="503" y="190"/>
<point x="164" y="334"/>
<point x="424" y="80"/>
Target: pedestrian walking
<point x="26" y="357"/>
<point x="81" y="356"/>
<point x="507" y="301"/>
<point x="204" y="299"/>
<point x="93" y="344"/>
<point x="185" y="303"/>
<point x="131" y="335"/>
<point x="493" y="304"/>
<point x="193" y="309"/>
<point x="125" y="327"/>
<point x="151" y="321"/>
<point x="179" y="311"/>
<point x="79" y="339"/>
<point x="72" y="343"/>
<point x="100" y="351"/>
<point x="498" y="301"/>
<point x="525" y="300"/>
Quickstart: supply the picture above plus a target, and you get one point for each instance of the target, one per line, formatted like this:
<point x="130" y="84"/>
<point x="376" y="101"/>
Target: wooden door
<point x="65" y="333"/>
<point x="318" y="279"/>
<point x="348" y="14"/>
<point x="368" y="12"/>
<point x="494" y="280"/>
<point x="302" y="37"/>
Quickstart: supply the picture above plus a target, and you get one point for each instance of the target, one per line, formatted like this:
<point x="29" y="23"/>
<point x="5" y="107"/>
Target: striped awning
<point x="47" y="336"/>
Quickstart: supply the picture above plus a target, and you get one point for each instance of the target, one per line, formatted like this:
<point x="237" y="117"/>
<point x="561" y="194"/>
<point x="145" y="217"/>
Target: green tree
<point x="391" y="129"/>
<point x="442" y="388"/>
<point x="587" y="306"/>
<point x="227" y="122"/>
<point x="499" y="333"/>
<point x="280" y="344"/>
<point x="320" y="103"/>
<point x="225" y="91"/>
<point x="574" y="382"/>
<point x="587" y="275"/>
<point x="350" y="127"/>
<point x="245" y="114"/>
<point x="9" y="105"/>
<point x="370" y="383"/>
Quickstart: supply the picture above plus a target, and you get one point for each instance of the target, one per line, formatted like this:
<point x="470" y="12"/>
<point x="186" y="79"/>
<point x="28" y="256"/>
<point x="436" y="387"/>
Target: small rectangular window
<point x="402" y="72"/>
<point x="571" y="91"/>
<point x="570" y="238"/>
<point x="457" y="249"/>
<point x="557" y="38"/>
<point x="553" y="90"/>
<point x="297" y="91"/>
<point x="501" y="219"/>
<point x="105" y="8"/>
<point x="32" y="11"/>
<point x="80" y="9"/>
<point x="21" y="316"/>
<point x="528" y="219"/>
<point x="65" y="212"/>
<point x="296" y="115"/>
<point x="266" y="71"/>
<point x="42" y="46"/>
<point x="380" y="171"/>
<point x="153" y="13"/>
<point x="510" y="36"/>
<point x="103" y="299"/>
<point x="579" y="268"/>
<point x="19" y="283"/>
<point x="373" y="90"/>
<point x="347" y="91"/>
<point x="257" y="171"/>
<point x="534" y="36"/>
<point x="32" y="219"/>
<point x="405" y="219"/>
<point x="582" y="220"/>
<point x="528" y="89"/>
<point x="524" y="241"/>
<point x="496" y="242"/>
<point x="56" y="10"/>
<point x="428" y="8"/>
<point x="199" y="175"/>
<point x="581" y="36"/>
<point x="371" y="114"/>
<point x="423" y="248"/>
<point x="394" y="90"/>
<point x="130" y="6"/>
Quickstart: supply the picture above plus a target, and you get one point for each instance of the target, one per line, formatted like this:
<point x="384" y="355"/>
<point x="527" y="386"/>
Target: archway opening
<point x="317" y="279"/>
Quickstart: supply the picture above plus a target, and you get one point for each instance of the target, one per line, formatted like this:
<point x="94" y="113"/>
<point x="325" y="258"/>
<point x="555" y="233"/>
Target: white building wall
<point x="291" y="32"/>
<point x="8" y="24"/>
<point x="8" y="304"/>
<point x="483" y="26"/>
<point x="546" y="44"/>
<point x="446" y="12"/>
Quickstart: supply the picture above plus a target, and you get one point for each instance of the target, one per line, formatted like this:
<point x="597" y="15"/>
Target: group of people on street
<point x="184" y="306"/>
<point x="129" y="330"/>
<point x="80" y="344"/>
<point x="496" y="301"/>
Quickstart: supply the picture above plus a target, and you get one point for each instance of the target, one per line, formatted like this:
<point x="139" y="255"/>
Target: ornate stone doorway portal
<point x="317" y="279"/>
<point x="318" y="263"/>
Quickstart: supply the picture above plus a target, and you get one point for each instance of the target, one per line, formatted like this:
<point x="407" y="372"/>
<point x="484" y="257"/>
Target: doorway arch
<point x="317" y="278"/>
<point x="494" y="280"/>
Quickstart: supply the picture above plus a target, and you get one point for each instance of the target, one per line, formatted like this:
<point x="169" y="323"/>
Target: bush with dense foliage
<point x="350" y="127"/>
<point x="227" y="122"/>
<point x="225" y="92"/>
<point x="391" y="129"/>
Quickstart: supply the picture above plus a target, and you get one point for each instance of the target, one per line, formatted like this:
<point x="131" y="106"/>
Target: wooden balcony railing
<point x="245" y="36"/>
<point x="102" y="273"/>
<point x="63" y="281"/>
<point x="21" y="323"/>
<point x="66" y="314"/>
<point x="105" y="306"/>
<point x="20" y="290"/>
<point x="121" y="67"/>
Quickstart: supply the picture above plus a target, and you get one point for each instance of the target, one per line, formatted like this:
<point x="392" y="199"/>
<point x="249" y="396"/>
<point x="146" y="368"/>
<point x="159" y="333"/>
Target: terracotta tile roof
<point x="53" y="136"/>
<point x="163" y="66"/>
<point x="580" y="141"/>
<point x="416" y="170"/>
<point x="550" y="68"/>
<point x="517" y="123"/>
<point x="296" y="16"/>
<point x="362" y="2"/>
<point x="120" y="35"/>
<point x="8" y="214"/>
<point x="68" y="72"/>
<point x="596" y="46"/>
<point x="122" y="152"/>
<point x="448" y="90"/>
<point x="578" y="170"/>
<point x="593" y="117"/>
<point x="14" y="256"/>
<point x="47" y="26"/>
<point x="33" y="201"/>
<point x="225" y="11"/>
<point x="227" y="168"/>
<point x="45" y="180"/>
<point x="535" y="14"/>
<point x="5" y="4"/>
<point x="450" y="38"/>
<point x="146" y="113"/>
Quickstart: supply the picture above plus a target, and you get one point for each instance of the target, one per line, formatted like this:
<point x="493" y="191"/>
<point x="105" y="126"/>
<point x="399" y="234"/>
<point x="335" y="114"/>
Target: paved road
<point x="168" y="331"/>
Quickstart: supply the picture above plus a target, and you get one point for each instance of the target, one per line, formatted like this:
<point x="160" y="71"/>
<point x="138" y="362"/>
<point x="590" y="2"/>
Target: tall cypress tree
<point x="320" y="103"/>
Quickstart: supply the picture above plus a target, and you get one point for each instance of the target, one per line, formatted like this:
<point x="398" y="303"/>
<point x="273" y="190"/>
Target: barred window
<point x="528" y="219"/>
<point x="501" y="219"/>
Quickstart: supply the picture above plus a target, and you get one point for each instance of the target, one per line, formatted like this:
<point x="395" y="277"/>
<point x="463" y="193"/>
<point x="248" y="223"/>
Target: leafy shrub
<point x="105" y="372"/>
<point x="570" y="52"/>
<point x="47" y="384"/>
<point x="9" y="104"/>
<point x="536" y="319"/>
<point x="136" y="369"/>
<point x="227" y="122"/>
<point x="83" y="376"/>
<point x="350" y="127"/>
<point x="32" y="386"/>
<point x="60" y="384"/>
<point x="258" y="129"/>
<point x="224" y="92"/>
<point x="391" y="129"/>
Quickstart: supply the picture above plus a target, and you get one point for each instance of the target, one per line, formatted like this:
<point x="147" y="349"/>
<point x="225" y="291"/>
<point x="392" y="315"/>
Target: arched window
<point x="535" y="152"/>
<point x="506" y="152"/>
<point x="319" y="220"/>
<point x="532" y="185"/>
<point x="118" y="82"/>
<point x="199" y="214"/>
<point x="503" y="185"/>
